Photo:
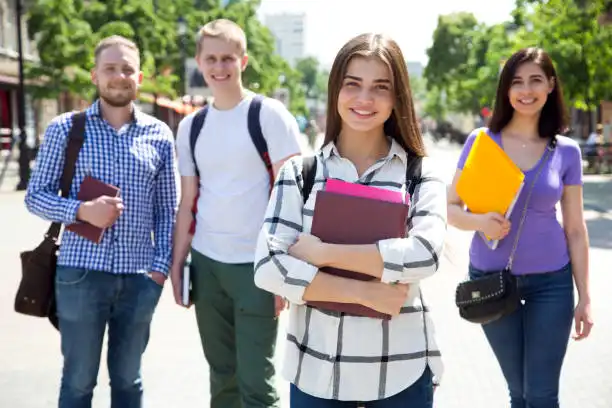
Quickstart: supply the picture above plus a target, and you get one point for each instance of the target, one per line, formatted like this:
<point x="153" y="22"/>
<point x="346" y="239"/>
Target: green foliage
<point x="466" y="56"/>
<point x="309" y="68"/>
<point x="66" y="32"/>
<point x="579" y="46"/>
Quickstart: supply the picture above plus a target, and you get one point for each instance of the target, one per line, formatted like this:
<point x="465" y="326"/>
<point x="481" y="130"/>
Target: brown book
<point x="352" y="220"/>
<point x="91" y="189"/>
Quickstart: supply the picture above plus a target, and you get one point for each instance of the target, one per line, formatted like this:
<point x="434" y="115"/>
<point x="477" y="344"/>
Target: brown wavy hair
<point x="401" y="125"/>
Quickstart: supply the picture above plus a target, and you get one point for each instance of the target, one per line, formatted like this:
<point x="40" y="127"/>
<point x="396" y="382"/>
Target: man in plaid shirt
<point x="115" y="283"/>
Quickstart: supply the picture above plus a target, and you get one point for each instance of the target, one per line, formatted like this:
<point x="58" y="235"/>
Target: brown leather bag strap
<point x="76" y="137"/>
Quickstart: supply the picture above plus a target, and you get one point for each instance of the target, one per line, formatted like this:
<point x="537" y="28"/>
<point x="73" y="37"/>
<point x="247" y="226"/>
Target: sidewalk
<point x="175" y="373"/>
<point x="9" y="172"/>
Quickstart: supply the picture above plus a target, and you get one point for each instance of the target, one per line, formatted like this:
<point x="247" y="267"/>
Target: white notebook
<point x="186" y="283"/>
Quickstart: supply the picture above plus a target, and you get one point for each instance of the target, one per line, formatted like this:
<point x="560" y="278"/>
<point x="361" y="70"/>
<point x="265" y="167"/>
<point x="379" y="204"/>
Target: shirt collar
<point x="396" y="150"/>
<point x="94" y="110"/>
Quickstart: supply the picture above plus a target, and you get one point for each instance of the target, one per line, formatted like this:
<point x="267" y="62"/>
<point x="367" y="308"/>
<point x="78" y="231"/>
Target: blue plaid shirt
<point x="140" y="160"/>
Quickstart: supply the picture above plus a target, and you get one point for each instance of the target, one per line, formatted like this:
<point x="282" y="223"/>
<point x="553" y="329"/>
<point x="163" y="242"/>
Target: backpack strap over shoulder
<point x="309" y="172"/>
<point x="76" y="138"/>
<point x="413" y="172"/>
<point x="254" y="125"/>
<point x="196" y="128"/>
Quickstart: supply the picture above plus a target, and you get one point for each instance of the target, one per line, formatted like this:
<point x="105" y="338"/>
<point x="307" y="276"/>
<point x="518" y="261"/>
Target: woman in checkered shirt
<point x="334" y="359"/>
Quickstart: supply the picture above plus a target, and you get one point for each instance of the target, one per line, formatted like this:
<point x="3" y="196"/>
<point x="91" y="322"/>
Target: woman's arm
<point x="364" y="259"/>
<point x="576" y="234"/>
<point x="279" y="271"/>
<point x="494" y="225"/>
<point x="578" y="243"/>
<point x="403" y="260"/>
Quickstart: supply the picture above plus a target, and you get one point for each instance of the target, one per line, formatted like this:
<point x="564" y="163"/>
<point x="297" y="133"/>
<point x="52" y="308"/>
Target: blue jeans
<point x="88" y="301"/>
<point x="530" y="343"/>
<point x="418" y="395"/>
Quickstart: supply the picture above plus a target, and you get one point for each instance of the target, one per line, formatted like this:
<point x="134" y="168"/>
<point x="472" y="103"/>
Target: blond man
<point x="229" y="153"/>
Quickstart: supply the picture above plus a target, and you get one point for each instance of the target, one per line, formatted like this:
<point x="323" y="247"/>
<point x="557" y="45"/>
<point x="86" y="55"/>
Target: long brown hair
<point x="401" y="125"/>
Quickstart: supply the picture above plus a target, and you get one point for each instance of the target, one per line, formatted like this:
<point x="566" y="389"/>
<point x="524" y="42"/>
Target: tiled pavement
<point x="175" y="372"/>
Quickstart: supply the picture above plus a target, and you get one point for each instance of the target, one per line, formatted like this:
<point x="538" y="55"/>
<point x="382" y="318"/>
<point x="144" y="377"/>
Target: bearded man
<point x="115" y="283"/>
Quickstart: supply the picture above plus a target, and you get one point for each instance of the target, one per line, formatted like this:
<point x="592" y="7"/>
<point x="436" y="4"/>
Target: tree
<point x="450" y="71"/>
<point x="66" y="32"/>
<point x="570" y="32"/>
<point x="309" y="68"/>
<point x="322" y="82"/>
<point x="450" y="50"/>
<point x="466" y="56"/>
<point x="64" y="44"/>
<point x="464" y="63"/>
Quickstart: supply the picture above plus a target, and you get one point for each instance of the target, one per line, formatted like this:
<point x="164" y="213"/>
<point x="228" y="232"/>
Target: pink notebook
<point x="360" y="190"/>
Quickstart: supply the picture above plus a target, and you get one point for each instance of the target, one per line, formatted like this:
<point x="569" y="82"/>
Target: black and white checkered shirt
<point x="351" y="358"/>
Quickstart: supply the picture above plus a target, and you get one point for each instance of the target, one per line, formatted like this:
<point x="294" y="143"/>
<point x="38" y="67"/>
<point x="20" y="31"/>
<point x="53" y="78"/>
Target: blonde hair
<point x="225" y="30"/>
<point x="112" y="41"/>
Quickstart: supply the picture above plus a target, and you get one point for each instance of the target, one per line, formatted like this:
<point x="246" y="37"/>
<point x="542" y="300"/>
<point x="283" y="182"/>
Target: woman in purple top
<point x="530" y="344"/>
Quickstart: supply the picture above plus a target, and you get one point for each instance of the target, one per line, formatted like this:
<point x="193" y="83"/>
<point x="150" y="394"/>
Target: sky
<point x="330" y="23"/>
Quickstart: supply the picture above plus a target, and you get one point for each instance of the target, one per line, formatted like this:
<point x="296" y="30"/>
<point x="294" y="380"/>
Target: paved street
<point x="175" y="373"/>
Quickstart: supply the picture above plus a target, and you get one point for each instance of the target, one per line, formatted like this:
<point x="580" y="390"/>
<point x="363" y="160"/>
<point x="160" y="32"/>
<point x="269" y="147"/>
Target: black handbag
<point x="495" y="295"/>
<point x="36" y="292"/>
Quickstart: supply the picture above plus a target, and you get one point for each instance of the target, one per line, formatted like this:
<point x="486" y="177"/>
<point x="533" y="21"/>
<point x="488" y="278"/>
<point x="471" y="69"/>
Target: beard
<point x="117" y="101"/>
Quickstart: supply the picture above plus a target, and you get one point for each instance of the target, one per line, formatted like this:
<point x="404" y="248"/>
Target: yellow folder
<point x="489" y="181"/>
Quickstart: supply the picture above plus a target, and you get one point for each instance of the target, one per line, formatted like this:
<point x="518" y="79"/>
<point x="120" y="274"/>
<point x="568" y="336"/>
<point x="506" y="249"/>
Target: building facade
<point x="289" y="32"/>
<point x="37" y="113"/>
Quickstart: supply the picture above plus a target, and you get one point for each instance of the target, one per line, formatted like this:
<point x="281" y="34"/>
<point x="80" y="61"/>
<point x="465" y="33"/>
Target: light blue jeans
<point x="87" y="302"/>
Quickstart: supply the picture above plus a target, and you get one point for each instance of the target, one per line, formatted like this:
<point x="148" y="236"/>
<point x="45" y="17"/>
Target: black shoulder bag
<point x="495" y="295"/>
<point x="36" y="292"/>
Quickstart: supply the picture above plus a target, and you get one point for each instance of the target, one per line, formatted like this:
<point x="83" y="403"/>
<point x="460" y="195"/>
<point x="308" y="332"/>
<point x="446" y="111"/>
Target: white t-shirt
<point x="592" y="140"/>
<point x="234" y="183"/>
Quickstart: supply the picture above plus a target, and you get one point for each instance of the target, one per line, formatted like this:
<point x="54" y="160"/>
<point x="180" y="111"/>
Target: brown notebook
<point x="351" y="220"/>
<point x="91" y="189"/>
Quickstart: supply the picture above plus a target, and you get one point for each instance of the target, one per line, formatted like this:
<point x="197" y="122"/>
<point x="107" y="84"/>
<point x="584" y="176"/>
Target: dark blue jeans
<point x="530" y="343"/>
<point x="87" y="302"/>
<point x="418" y="395"/>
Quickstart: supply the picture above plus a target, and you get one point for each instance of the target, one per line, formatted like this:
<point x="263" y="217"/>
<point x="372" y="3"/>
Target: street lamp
<point x="181" y="26"/>
<point x="24" y="150"/>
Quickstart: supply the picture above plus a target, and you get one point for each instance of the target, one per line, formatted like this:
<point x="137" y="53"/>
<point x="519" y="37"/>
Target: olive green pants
<point x="238" y="332"/>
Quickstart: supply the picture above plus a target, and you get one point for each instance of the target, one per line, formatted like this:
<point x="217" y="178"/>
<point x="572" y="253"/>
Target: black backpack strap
<point x="196" y="127"/>
<point x="413" y="173"/>
<point x="309" y="172"/>
<point x="76" y="137"/>
<point x="254" y="125"/>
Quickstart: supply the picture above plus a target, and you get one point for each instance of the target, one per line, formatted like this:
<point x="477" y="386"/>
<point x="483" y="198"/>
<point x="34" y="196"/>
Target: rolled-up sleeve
<point x="275" y="270"/>
<point x="417" y="256"/>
